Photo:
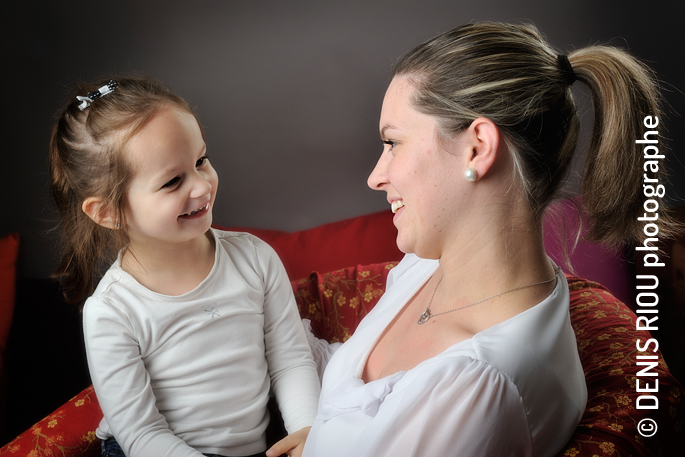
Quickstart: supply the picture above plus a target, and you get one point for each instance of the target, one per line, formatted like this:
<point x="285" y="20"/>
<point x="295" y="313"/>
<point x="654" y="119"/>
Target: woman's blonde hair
<point x="510" y="75"/>
<point x="86" y="160"/>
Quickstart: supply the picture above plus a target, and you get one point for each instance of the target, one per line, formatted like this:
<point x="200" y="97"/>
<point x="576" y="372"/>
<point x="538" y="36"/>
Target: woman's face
<point x="423" y="181"/>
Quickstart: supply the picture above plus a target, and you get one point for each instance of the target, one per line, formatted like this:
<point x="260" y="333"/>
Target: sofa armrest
<point x="68" y="431"/>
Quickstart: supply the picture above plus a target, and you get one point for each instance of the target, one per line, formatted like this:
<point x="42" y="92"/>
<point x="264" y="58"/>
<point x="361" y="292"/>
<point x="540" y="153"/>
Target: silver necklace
<point x="426" y="316"/>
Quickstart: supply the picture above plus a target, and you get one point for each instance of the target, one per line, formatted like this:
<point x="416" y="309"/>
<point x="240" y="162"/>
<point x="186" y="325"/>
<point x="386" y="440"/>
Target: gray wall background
<point x="289" y="92"/>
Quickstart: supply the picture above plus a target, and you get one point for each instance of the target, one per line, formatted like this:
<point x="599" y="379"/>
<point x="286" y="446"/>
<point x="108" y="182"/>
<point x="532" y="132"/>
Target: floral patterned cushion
<point x="68" y="431"/>
<point x="335" y="303"/>
<point x="606" y="334"/>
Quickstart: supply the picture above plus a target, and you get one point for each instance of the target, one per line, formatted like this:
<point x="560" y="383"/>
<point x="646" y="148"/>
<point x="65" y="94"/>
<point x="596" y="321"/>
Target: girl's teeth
<point x="396" y="205"/>
<point x="196" y="211"/>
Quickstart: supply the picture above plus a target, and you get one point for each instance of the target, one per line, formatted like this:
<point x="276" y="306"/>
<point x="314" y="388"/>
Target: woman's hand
<point x="292" y="444"/>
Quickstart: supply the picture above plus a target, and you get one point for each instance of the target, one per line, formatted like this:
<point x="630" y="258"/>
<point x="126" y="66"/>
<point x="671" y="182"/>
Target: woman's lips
<point x="396" y="205"/>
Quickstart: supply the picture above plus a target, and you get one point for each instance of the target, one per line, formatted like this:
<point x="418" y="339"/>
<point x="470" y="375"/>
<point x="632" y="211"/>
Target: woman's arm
<point x="322" y="350"/>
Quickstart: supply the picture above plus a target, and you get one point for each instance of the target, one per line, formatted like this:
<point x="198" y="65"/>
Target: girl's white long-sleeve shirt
<point x="515" y="389"/>
<point x="191" y="374"/>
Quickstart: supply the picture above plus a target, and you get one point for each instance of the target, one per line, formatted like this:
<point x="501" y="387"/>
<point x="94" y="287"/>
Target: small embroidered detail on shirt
<point x="211" y="310"/>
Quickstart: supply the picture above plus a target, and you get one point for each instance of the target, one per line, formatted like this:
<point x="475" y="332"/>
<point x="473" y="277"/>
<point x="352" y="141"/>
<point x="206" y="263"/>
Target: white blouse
<point x="515" y="389"/>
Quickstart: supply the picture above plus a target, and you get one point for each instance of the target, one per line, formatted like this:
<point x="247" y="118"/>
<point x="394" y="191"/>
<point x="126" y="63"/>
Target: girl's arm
<point x="293" y="372"/>
<point x="123" y="385"/>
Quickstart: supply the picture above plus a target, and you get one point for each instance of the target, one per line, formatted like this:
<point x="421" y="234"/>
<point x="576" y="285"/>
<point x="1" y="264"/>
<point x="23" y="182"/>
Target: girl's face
<point x="424" y="183"/>
<point x="172" y="192"/>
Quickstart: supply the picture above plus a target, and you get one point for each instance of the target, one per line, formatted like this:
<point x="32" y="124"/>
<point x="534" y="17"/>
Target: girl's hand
<point x="292" y="444"/>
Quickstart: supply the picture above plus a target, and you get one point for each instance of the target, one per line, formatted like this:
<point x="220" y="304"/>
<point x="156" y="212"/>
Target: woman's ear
<point x="483" y="141"/>
<point x="96" y="209"/>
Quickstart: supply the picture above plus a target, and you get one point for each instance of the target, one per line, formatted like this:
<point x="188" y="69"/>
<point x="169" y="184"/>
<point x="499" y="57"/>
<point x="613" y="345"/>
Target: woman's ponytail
<point x="626" y="106"/>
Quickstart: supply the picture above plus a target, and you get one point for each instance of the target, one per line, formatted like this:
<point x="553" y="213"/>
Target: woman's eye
<point x="201" y="161"/>
<point x="171" y="183"/>
<point x="390" y="143"/>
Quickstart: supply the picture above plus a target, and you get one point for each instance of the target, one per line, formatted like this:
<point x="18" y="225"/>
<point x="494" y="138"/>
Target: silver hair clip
<point x="94" y="95"/>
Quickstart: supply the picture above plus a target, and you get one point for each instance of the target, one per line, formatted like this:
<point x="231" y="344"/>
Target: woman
<point x="471" y="352"/>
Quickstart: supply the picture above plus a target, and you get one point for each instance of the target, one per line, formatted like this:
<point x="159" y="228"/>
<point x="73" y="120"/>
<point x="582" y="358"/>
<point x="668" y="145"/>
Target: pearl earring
<point x="470" y="175"/>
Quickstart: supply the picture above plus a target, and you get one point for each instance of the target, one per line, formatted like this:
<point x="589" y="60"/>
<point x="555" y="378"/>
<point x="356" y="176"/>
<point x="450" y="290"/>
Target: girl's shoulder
<point x="237" y="238"/>
<point x="248" y="244"/>
<point x="243" y="247"/>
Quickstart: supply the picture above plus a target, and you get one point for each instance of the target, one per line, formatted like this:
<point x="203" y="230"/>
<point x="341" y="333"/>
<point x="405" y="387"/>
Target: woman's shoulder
<point x="411" y="267"/>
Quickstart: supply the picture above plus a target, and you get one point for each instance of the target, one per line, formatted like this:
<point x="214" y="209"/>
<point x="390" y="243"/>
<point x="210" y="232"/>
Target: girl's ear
<point x="483" y="141"/>
<point x="96" y="209"/>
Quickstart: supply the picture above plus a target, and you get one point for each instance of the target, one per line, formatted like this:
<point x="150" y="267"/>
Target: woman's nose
<point x="379" y="176"/>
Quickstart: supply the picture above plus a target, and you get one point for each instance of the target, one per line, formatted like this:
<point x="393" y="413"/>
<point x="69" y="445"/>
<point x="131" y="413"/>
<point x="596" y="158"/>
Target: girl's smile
<point x="174" y="185"/>
<point x="197" y="213"/>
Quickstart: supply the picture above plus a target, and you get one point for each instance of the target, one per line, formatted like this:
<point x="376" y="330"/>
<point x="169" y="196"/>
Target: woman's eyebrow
<point x="386" y="127"/>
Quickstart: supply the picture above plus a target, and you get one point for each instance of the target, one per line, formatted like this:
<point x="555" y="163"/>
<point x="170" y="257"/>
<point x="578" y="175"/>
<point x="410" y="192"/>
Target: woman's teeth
<point x="396" y="205"/>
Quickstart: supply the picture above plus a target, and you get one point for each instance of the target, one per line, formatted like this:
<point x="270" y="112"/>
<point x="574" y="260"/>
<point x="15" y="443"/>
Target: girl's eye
<point x="201" y="161"/>
<point x="171" y="183"/>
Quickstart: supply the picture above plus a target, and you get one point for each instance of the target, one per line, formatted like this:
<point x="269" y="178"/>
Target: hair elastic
<point x="94" y="95"/>
<point x="566" y="69"/>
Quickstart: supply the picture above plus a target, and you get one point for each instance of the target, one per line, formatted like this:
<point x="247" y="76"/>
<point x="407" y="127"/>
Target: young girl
<point x="190" y="327"/>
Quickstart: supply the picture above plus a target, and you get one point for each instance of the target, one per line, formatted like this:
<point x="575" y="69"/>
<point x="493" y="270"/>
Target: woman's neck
<point x="499" y="255"/>
<point x="170" y="269"/>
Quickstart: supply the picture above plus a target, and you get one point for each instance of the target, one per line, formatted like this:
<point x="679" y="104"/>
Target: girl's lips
<point x="197" y="213"/>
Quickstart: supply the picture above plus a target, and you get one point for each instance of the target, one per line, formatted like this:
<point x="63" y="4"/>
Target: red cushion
<point x="358" y="240"/>
<point x="9" y="247"/>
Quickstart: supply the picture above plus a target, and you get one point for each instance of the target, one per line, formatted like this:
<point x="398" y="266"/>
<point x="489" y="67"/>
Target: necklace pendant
<point x="425" y="317"/>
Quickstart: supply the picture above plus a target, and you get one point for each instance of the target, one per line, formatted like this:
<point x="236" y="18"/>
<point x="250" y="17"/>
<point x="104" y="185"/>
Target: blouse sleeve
<point x="292" y="369"/>
<point x="465" y="408"/>
<point x="123" y="385"/>
<point x="322" y="350"/>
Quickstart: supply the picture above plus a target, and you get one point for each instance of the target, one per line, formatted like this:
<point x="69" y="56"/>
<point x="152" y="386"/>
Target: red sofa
<point x="338" y="273"/>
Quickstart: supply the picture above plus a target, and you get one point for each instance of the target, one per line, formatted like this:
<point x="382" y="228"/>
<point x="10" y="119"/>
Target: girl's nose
<point x="201" y="186"/>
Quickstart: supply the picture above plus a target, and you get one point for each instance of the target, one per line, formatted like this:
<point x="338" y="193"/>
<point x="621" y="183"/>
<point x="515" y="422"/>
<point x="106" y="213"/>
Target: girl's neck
<point x="170" y="269"/>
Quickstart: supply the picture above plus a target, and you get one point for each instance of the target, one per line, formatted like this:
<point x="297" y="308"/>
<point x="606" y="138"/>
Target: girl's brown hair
<point x="86" y="160"/>
<point x="510" y="75"/>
